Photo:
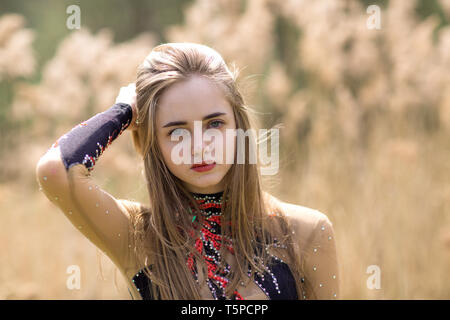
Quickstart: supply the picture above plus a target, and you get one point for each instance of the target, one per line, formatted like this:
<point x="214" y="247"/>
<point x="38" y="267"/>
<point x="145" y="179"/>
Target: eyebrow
<point x="180" y="123"/>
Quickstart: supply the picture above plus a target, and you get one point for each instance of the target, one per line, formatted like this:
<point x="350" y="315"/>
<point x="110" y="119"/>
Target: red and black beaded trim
<point x="277" y="281"/>
<point x="209" y="243"/>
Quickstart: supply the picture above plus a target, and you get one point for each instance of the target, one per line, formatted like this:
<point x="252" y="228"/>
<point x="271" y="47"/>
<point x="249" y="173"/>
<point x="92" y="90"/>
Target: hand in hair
<point x="128" y="95"/>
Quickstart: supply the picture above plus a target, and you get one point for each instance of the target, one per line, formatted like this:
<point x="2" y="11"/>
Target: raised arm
<point x="64" y="176"/>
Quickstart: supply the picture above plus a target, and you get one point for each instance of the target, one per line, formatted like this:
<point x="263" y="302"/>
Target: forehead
<point x="191" y="100"/>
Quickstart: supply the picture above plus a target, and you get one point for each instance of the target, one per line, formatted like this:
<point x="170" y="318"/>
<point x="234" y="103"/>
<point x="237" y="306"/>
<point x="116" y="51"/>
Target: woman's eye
<point x="216" y="123"/>
<point x="175" y="131"/>
<point x="213" y="124"/>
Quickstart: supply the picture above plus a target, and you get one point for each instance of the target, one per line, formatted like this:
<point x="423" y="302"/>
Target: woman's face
<point x="187" y="115"/>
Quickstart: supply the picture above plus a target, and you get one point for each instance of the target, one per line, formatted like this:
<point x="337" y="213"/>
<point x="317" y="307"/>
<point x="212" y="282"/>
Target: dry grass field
<point x="365" y="137"/>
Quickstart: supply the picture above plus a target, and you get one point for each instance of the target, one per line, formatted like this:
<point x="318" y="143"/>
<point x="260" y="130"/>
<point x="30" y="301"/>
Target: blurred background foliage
<point x="365" y="115"/>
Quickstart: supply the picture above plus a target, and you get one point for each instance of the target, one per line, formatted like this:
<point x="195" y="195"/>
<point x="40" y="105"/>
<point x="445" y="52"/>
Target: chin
<point x="204" y="180"/>
<point x="197" y="180"/>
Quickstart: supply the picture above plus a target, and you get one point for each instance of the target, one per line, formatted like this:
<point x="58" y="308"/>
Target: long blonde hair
<point x="161" y="230"/>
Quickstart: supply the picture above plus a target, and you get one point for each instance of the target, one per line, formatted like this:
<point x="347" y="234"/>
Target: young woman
<point x="209" y="231"/>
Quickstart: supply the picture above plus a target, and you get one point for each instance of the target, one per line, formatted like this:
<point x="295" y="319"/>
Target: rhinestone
<point x="96" y="204"/>
<point x="70" y="212"/>
<point x="314" y="268"/>
<point x="329" y="238"/>
<point x="323" y="228"/>
<point x="320" y="285"/>
<point x="315" y="249"/>
<point x="90" y="188"/>
<point x="334" y="295"/>
<point x="107" y="211"/>
<point x="334" y="276"/>
<point x="45" y="178"/>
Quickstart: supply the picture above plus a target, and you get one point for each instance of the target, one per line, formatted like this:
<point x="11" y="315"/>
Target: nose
<point x="199" y="148"/>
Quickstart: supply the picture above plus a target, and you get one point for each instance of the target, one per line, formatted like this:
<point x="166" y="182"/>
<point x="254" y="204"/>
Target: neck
<point x="205" y="190"/>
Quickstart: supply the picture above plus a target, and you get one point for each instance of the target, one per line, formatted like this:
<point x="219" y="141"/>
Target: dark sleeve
<point x="85" y="143"/>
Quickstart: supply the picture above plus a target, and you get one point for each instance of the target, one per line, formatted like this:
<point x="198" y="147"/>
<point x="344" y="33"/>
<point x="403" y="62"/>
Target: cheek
<point x="167" y="149"/>
<point x="229" y="148"/>
<point x="167" y="154"/>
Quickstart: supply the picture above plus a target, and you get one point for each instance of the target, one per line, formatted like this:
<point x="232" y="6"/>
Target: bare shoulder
<point x="304" y="220"/>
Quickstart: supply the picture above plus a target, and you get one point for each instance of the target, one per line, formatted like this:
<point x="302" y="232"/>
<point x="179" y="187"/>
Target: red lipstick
<point x="203" y="167"/>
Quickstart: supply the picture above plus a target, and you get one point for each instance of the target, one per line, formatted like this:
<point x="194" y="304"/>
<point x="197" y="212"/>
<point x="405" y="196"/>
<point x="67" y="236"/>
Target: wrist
<point x="134" y="123"/>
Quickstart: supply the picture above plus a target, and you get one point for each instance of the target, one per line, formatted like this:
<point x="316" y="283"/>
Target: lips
<point x="203" y="164"/>
<point x="202" y="167"/>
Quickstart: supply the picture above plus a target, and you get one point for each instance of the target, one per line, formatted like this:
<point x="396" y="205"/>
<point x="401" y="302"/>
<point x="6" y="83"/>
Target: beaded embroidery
<point x="209" y="244"/>
<point x="277" y="281"/>
<point x="89" y="161"/>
